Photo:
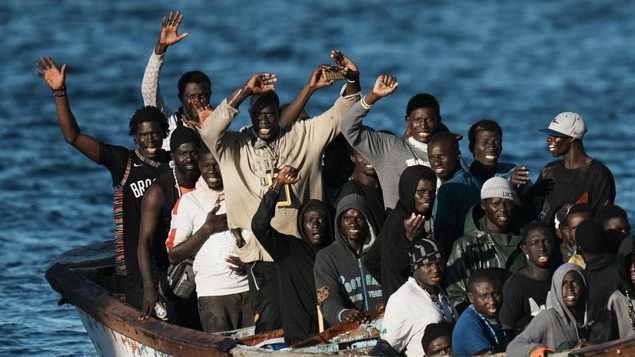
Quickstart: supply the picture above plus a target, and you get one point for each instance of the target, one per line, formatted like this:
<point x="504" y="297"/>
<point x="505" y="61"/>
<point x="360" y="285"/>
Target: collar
<point x="256" y="140"/>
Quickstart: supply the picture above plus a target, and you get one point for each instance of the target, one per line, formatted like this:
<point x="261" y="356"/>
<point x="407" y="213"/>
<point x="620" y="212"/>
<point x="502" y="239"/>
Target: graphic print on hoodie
<point x="341" y="278"/>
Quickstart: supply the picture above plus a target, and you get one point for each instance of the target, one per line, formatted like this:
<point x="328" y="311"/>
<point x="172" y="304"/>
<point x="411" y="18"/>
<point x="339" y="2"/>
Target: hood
<point x="314" y="205"/>
<point x="555" y="299"/>
<point x="352" y="200"/>
<point x="408" y="185"/>
<point x="624" y="256"/>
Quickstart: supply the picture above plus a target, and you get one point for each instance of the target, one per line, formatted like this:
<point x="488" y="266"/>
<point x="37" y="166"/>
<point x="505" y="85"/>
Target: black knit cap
<point x="421" y="251"/>
<point x="182" y="135"/>
<point x="590" y="237"/>
<point x="436" y="330"/>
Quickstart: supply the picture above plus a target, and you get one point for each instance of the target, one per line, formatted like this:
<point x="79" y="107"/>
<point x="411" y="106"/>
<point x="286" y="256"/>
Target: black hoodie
<point x="294" y="259"/>
<point x="341" y="277"/>
<point x="622" y="301"/>
<point x="393" y="245"/>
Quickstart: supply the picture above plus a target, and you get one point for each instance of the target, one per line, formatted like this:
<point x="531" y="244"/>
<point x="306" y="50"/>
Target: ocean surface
<point x="518" y="62"/>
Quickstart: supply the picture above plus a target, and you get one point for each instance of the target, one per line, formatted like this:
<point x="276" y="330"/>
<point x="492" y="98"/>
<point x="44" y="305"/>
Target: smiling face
<point x="265" y="122"/>
<point x="186" y="157"/>
<point x="424" y="196"/>
<point x="210" y="171"/>
<point x="487" y="148"/>
<point x="430" y="273"/>
<point x="498" y="213"/>
<point x="422" y="123"/>
<point x="558" y="145"/>
<point x="573" y="289"/>
<point x="353" y="225"/>
<point x="444" y="158"/>
<point x="538" y="247"/>
<point x="486" y="298"/>
<point x="315" y="227"/>
<point x="361" y="164"/>
<point x="149" y="138"/>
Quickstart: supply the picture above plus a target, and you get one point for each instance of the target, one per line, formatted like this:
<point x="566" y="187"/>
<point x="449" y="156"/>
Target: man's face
<point x="265" y="122"/>
<point x="573" y="221"/>
<point x="558" y="145"/>
<point x="440" y="346"/>
<point x="486" y="298"/>
<point x="361" y="165"/>
<point x="488" y="146"/>
<point x="210" y="172"/>
<point x="617" y="227"/>
<point x="538" y="248"/>
<point x="430" y="272"/>
<point x="315" y="227"/>
<point x="149" y="138"/>
<point x="573" y="289"/>
<point x="443" y="159"/>
<point x="422" y="123"/>
<point x="353" y="225"/>
<point x="425" y="194"/>
<point x="186" y="157"/>
<point x="498" y="212"/>
<point x="190" y="92"/>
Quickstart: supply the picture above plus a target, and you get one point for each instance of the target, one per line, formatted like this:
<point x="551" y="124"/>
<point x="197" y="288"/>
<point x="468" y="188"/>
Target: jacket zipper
<point x="364" y="287"/>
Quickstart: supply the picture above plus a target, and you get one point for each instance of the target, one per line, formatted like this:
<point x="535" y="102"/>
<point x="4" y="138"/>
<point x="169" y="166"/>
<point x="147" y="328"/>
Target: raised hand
<point x="385" y="85"/>
<point x="413" y="226"/>
<point x="52" y="75"/>
<point x="317" y="79"/>
<point x="288" y="175"/>
<point x="260" y="83"/>
<point x="169" y="30"/>
<point x="348" y="68"/>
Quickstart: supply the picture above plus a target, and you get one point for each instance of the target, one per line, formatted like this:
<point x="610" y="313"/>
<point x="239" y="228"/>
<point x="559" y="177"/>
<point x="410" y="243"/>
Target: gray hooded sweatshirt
<point x="341" y="278"/>
<point x="555" y="328"/>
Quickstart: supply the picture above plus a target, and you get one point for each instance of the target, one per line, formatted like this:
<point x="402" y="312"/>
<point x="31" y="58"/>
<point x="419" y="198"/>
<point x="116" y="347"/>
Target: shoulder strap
<point x="126" y="173"/>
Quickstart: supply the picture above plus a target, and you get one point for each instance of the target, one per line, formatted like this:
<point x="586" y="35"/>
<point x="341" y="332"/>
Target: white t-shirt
<point x="211" y="272"/>
<point x="409" y="310"/>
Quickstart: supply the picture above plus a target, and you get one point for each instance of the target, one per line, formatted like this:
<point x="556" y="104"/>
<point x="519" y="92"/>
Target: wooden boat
<point x="84" y="276"/>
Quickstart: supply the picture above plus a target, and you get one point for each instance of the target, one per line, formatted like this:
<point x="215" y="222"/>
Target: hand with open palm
<point x="261" y="83"/>
<point x="385" y="85"/>
<point x="52" y="75"/>
<point x="169" y="31"/>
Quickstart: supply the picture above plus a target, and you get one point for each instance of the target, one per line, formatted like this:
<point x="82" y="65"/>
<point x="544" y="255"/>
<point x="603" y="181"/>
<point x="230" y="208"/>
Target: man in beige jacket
<point x="249" y="159"/>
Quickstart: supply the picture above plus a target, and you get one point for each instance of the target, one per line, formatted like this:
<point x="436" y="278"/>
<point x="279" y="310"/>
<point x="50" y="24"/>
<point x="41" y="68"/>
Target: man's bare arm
<point x="153" y="201"/>
<point x="55" y="78"/>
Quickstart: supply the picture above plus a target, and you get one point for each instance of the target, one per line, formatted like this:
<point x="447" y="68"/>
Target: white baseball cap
<point x="567" y="124"/>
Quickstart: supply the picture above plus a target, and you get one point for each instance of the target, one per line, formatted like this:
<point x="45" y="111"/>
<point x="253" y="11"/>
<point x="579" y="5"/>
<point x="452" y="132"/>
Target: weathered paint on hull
<point x="111" y="343"/>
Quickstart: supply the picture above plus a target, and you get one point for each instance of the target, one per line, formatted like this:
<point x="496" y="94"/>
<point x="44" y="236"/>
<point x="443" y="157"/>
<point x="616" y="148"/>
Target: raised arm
<point x="167" y="37"/>
<point x="187" y="247"/>
<point x="55" y="78"/>
<point x="369" y="143"/>
<point x="214" y="123"/>
<point x="268" y="237"/>
<point x="153" y="201"/>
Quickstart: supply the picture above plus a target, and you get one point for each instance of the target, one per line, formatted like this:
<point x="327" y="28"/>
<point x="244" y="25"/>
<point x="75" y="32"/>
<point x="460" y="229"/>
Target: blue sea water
<point x="518" y="62"/>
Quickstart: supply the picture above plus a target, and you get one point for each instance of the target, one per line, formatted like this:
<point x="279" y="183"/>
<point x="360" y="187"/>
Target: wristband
<point x="61" y="92"/>
<point x="364" y="104"/>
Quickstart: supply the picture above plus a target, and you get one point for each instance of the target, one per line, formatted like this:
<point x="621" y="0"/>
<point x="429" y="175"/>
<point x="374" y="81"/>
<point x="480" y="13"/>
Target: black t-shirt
<point x="523" y="298"/>
<point x="558" y="185"/>
<point x="171" y="194"/>
<point x="130" y="181"/>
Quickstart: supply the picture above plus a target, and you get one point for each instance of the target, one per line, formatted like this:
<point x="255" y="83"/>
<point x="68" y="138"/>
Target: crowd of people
<point x="303" y="222"/>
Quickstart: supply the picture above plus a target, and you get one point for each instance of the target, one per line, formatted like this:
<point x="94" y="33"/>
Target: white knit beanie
<point x="498" y="187"/>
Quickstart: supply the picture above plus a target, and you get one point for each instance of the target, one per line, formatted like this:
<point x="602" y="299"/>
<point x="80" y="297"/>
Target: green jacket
<point x="478" y="249"/>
